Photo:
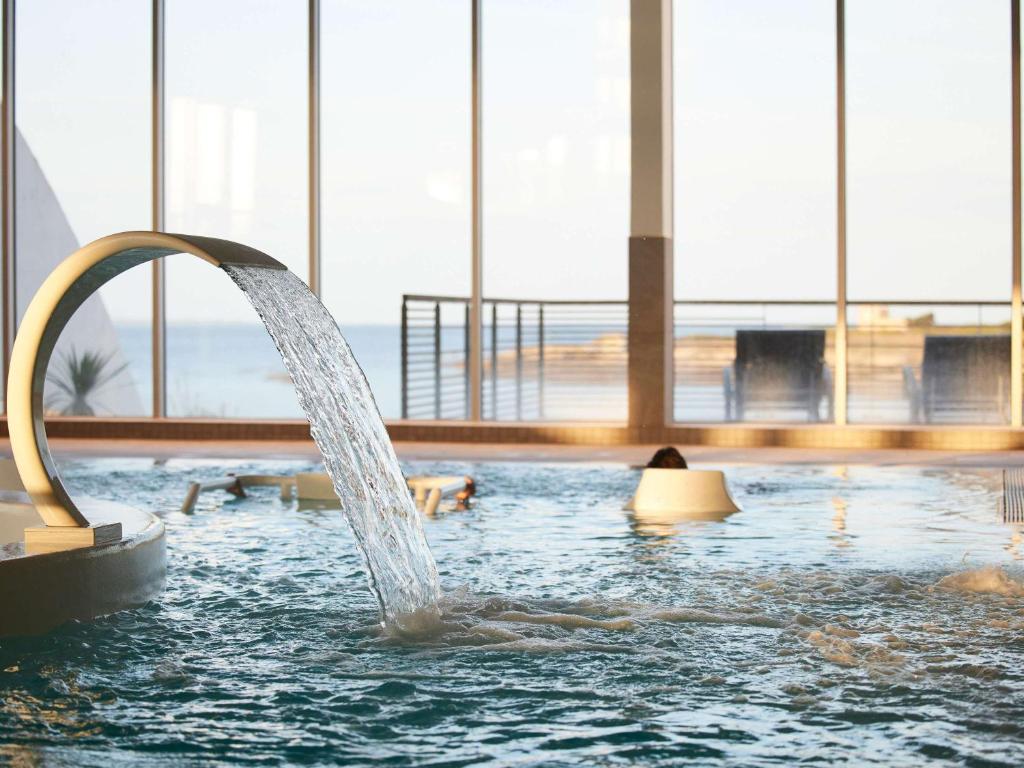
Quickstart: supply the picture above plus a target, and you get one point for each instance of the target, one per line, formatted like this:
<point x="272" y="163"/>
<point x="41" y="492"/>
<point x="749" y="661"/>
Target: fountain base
<point x="57" y="538"/>
<point x="54" y="576"/>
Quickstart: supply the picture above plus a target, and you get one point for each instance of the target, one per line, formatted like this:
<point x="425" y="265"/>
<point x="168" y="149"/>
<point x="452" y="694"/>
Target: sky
<point x="928" y="145"/>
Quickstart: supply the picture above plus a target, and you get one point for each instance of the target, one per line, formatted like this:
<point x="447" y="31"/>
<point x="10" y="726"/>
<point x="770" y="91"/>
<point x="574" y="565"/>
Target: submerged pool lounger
<point x="316" y="486"/>
<point x="89" y="558"/>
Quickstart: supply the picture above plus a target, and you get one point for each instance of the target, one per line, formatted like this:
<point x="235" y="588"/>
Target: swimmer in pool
<point x="463" y="496"/>
<point x="667" y="458"/>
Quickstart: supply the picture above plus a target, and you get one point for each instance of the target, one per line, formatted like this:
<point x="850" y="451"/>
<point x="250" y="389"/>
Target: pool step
<point x="1013" y="495"/>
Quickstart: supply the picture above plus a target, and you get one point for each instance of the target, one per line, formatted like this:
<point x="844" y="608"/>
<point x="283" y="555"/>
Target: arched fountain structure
<point x="89" y="558"/>
<point x="92" y="558"/>
<point x="67" y="287"/>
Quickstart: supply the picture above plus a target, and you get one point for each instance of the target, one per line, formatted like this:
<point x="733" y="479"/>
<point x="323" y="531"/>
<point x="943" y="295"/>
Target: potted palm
<point x="76" y="378"/>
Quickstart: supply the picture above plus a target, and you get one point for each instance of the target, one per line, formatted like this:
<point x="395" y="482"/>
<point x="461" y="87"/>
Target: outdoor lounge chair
<point x="963" y="378"/>
<point x="778" y="369"/>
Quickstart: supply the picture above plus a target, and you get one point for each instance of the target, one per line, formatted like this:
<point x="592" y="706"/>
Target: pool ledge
<point x="39" y="592"/>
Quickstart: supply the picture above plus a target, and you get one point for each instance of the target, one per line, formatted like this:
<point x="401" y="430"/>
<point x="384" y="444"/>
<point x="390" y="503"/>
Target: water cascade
<point x="332" y="390"/>
<point x="348" y="430"/>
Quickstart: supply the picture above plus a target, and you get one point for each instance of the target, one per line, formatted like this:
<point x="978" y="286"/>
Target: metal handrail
<point x="521" y="337"/>
<point x="544" y="358"/>
<point x="737" y="302"/>
<point x="465" y="299"/>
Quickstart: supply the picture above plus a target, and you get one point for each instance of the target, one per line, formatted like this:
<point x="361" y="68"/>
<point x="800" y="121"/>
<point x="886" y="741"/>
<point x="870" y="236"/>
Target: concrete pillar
<point x="650" y="374"/>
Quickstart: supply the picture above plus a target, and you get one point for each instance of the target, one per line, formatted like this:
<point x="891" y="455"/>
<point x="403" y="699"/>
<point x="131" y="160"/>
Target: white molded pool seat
<point x="681" y="494"/>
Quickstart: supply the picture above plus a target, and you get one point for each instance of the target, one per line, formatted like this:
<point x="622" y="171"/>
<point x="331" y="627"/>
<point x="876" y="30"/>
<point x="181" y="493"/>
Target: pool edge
<point x="40" y="592"/>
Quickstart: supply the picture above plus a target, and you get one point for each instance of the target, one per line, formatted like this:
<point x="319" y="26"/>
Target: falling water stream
<point x="348" y="430"/>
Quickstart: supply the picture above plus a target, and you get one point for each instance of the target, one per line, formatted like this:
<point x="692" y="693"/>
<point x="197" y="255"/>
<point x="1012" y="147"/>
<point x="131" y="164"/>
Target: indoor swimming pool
<point x="847" y="613"/>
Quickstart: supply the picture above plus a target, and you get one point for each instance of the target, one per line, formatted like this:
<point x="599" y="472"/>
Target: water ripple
<point x="570" y="634"/>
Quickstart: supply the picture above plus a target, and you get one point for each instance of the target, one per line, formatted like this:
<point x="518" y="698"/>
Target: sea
<point x="233" y="370"/>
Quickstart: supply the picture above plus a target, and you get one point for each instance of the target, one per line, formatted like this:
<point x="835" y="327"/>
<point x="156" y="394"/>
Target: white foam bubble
<point x="700" y="616"/>
<point x="550" y="645"/>
<point x="990" y="580"/>
<point x="567" y="620"/>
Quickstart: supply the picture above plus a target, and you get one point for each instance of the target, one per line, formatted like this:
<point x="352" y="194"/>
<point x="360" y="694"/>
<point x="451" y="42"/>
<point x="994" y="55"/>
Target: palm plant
<point x="77" y="378"/>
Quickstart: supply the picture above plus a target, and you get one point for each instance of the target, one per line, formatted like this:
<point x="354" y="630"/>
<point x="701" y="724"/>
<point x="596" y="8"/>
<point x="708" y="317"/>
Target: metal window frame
<point x="8" y="281"/>
<point x="475" y="331"/>
<point x="158" y="212"/>
<point x="476" y="225"/>
<point x="314" y="212"/>
<point x="839" y="396"/>
<point x="1016" y="363"/>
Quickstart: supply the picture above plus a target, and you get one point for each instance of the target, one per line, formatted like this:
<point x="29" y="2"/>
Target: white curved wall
<point x="43" y="239"/>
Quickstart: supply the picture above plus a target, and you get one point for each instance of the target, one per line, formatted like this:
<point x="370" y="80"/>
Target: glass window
<point x="556" y="208"/>
<point x="928" y="150"/>
<point x="395" y="147"/>
<point x="755" y="209"/>
<point x="929" y="208"/>
<point x="236" y="80"/>
<point x="82" y="159"/>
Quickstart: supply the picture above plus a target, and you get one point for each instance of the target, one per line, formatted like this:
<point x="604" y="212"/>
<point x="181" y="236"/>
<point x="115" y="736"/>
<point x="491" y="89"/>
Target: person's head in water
<point x="667" y="458"/>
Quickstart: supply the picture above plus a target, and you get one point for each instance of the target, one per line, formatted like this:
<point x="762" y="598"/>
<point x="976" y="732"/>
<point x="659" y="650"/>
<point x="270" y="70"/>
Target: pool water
<point x="847" y="614"/>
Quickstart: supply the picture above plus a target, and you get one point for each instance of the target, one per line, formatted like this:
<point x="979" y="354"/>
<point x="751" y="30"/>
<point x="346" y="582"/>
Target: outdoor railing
<point x="542" y="360"/>
<point x="435" y="348"/>
<point x="892" y="381"/>
<point x="567" y="360"/>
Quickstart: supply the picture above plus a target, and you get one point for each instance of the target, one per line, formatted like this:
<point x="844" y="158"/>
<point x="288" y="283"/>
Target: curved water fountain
<point x="91" y="558"/>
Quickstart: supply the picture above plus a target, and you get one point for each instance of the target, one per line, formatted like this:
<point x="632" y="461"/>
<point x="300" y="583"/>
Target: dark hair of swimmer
<point x="667" y="458"/>
<point x="462" y="497"/>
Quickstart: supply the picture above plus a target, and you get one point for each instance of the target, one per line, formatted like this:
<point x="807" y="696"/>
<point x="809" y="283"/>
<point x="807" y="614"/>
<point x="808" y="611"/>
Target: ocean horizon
<point x="233" y="370"/>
